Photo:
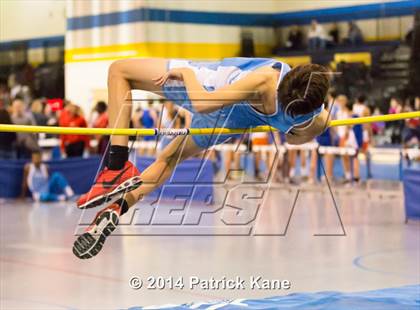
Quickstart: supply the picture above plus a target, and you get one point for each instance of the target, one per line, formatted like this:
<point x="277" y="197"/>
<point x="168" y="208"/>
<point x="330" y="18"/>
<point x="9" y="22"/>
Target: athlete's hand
<point x="173" y="74"/>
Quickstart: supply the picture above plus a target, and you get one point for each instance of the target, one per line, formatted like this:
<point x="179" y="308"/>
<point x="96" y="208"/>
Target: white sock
<point x="292" y="172"/>
<point x="347" y="175"/>
<point x="304" y="171"/>
<point x="61" y="197"/>
<point x="36" y="196"/>
<point x="69" y="192"/>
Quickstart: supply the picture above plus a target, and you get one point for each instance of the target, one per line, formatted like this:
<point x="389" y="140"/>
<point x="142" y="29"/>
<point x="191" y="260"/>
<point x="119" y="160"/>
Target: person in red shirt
<point x="73" y="145"/>
<point x="101" y="121"/>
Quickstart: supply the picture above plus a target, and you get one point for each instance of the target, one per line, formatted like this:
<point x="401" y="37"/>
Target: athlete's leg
<point x="181" y="148"/>
<point x="90" y="243"/>
<point x="124" y="75"/>
<point x="120" y="175"/>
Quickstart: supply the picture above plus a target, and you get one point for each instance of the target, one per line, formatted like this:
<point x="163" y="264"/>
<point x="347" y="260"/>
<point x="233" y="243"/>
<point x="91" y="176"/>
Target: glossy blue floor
<point x="360" y="242"/>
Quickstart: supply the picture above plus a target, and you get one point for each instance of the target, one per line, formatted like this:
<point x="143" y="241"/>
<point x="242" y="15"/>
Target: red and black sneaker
<point x="91" y="242"/>
<point x="109" y="184"/>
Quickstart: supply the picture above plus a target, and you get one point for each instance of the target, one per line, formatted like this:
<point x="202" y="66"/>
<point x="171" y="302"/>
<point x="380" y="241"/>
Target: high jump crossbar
<point x="191" y="131"/>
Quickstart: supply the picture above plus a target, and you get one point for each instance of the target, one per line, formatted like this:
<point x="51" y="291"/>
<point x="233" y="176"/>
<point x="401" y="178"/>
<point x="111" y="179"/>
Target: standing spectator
<point x="73" y="145"/>
<point x="168" y="119"/>
<point x="295" y="38"/>
<point x="26" y="142"/>
<point x="327" y="138"/>
<point x="355" y="35"/>
<point x="261" y="139"/>
<point x="101" y="121"/>
<point x="343" y="135"/>
<point x="7" y="139"/>
<point x="316" y="37"/>
<point x="360" y="109"/>
<point x="146" y="118"/>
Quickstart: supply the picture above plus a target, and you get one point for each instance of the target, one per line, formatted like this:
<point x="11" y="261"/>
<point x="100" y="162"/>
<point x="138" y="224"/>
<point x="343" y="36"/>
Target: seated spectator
<point x="101" y="121"/>
<point x="26" y="142"/>
<point x="395" y="128"/>
<point x="7" y="139"/>
<point x="73" y="145"/>
<point x="42" y="186"/>
<point x="295" y="38"/>
<point x="4" y="96"/>
<point x="316" y="37"/>
<point x="37" y="109"/>
<point x="355" y="35"/>
<point x="334" y="35"/>
<point x="411" y="130"/>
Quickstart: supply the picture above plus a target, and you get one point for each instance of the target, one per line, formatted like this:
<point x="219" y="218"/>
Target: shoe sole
<point x="125" y="187"/>
<point x="90" y="244"/>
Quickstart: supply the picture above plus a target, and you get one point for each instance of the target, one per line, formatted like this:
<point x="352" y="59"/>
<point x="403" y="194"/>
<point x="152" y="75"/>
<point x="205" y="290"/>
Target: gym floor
<point x="362" y="244"/>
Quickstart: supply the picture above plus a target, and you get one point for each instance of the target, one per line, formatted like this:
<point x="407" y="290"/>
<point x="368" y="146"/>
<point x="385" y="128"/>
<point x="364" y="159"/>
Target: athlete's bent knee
<point x="116" y="68"/>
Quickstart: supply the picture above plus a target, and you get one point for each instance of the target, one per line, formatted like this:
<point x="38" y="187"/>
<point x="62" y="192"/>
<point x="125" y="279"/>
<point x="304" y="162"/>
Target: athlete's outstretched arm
<point x="250" y="87"/>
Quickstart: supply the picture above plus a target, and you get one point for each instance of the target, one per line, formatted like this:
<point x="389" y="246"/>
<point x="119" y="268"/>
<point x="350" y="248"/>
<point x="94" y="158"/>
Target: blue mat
<point x="401" y="298"/>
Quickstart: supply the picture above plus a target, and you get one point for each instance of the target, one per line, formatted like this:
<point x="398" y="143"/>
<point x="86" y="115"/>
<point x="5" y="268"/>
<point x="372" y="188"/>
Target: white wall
<point x="252" y="6"/>
<point x="29" y="19"/>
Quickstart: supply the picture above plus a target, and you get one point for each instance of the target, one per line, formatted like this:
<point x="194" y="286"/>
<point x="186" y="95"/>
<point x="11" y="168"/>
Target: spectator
<point x="343" y="133"/>
<point x="360" y="109"/>
<point x="411" y="130"/>
<point x="51" y="116"/>
<point x="295" y="38"/>
<point x="42" y="186"/>
<point x="37" y="109"/>
<point x="73" y="145"/>
<point x="377" y="127"/>
<point x="261" y="139"/>
<point x="7" y="139"/>
<point x="355" y="35"/>
<point x="4" y="96"/>
<point x="101" y="121"/>
<point x="292" y="156"/>
<point x="334" y="34"/>
<point x="327" y="138"/>
<point x="395" y="127"/>
<point x="26" y="142"/>
<point x="316" y="37"/>
<point x="172" y="117"/>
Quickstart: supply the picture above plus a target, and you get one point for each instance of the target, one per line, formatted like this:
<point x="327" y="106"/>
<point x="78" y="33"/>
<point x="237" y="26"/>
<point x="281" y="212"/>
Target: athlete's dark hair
<point x="304" y="89"/>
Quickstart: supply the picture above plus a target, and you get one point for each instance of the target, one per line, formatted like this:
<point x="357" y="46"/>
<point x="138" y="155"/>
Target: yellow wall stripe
<point x="155" y="49"/>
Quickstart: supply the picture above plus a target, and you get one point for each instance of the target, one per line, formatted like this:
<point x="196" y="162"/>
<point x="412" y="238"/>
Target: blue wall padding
<point x="80" y="173"/>
<point x="411" y="183"/>
<point x="192" y="179"/>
